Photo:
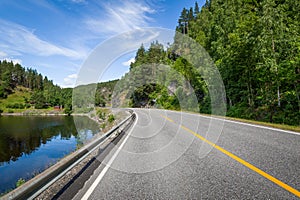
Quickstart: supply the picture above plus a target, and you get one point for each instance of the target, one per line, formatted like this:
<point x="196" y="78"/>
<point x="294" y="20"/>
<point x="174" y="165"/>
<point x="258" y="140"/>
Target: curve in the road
<point x="246" y="161"/>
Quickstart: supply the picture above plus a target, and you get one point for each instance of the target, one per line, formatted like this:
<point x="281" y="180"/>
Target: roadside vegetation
<point x="105" y="118"/>
<point x="249" y="121"/>
<point x="254" y="44"/>
<point x="20" y="182"/>
<point x="273" y="125"/>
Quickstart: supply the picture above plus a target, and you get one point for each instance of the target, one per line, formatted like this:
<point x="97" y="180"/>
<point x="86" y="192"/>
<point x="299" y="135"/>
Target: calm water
<point x="29" y="145"/>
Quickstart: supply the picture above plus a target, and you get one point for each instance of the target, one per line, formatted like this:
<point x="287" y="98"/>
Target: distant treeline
<point x="44" y="93"/>
<point x="85" y="97"/>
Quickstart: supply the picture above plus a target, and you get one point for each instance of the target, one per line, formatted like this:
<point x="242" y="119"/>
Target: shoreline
<point x="33" y="114"/>
<point x="57" y="186"/>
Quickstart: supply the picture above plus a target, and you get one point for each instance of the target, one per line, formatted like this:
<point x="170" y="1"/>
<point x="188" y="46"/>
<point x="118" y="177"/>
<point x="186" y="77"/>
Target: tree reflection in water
<point x="30" y="144"/>
<point x="22" y="135"/>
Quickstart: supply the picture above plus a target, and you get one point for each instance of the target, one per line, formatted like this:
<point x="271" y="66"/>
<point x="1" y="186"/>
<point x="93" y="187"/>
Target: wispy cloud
<point x="120" y="17"/>
<point x="69" y="81"/>
<point x="78" y="1"/>
<point x="17" y="40"/>
<point x="15" y="61"/>
<point x="127" y="63"/>
<point x="4" y="56"/>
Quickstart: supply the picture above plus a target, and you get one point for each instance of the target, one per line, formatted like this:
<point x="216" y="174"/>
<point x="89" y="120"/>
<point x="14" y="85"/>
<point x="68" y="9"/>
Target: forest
<point x="38" y="92"/>
<point x="43" y="93"/>
<point x="255" y="45"/>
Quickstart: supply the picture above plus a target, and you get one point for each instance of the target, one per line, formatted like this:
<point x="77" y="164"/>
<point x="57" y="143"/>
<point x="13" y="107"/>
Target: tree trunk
<point x="276" y="69"/>
<point x="278" y="95"/>
<point x="298" y="97"/>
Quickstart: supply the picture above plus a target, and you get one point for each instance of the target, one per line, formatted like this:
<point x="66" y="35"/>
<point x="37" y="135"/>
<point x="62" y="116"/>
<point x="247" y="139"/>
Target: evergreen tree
<point x="197" y="10"/>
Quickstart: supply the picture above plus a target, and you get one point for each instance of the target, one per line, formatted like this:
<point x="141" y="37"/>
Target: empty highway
<point x="174" y="155"/>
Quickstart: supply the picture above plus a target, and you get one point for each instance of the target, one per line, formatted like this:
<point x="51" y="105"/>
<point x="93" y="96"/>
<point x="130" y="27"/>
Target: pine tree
<point x="197" y="10"/>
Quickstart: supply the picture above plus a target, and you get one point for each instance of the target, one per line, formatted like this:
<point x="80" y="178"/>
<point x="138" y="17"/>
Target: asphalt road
<point x="164" y="156"/>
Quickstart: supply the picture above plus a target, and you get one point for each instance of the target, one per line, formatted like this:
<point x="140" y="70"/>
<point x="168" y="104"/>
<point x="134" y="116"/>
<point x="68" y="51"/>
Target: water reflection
<point x="30" y="144"/>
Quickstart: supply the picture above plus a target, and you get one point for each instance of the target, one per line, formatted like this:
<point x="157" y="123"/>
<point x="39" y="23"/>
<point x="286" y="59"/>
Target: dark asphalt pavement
<point x="161" y="158"/>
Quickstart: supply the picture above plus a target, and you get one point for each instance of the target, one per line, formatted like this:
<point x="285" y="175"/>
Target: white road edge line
<point x="103" y="172"/>
<point x="241" y="123"/>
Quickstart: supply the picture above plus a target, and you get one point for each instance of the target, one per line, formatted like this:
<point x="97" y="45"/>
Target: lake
<point x="30" y="144"/>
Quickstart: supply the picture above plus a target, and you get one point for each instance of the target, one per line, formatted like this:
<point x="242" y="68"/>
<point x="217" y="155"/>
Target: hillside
<point x="85" y="97"/>
<point x="16" y="100"/>
<point x="255" y="46"/>
<point x="27" y="91"/>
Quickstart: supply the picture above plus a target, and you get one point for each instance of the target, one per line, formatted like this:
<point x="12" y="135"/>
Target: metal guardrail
<point x="41" y="182"/>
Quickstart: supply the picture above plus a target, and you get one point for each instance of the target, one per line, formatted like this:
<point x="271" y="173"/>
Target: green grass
<point x="268" y="124"/>
<point x="16" y="97"/>
<point x="280" y="126"/>
<point x="20" y="182"/>
<point x="19" y="96"/>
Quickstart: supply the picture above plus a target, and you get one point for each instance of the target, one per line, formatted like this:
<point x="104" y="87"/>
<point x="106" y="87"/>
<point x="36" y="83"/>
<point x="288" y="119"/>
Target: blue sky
<point x="56" y="36"/>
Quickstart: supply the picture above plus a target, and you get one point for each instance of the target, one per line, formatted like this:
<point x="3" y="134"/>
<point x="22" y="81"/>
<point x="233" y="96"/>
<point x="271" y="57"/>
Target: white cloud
<point x="120" y="17"/>
<point x="15" y="61"/>
<point x="78" y="1"/>
<point x="69" y="81"/>
<point x="18" y="40"/>
<point x="2" y="54"/>
<point x="72" y="76"/>
<point x="127" y="63"/>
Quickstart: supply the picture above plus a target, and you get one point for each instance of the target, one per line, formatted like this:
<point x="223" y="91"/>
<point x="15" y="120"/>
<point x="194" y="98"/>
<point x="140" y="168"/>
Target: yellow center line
<point x="243" y="162"/>
<point x="167" y="118"/>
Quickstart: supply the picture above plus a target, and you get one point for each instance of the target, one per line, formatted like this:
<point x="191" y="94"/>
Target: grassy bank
<point x="268" y="124"/>
<point x="18" y="97"/>
<point x="279" y="126"/>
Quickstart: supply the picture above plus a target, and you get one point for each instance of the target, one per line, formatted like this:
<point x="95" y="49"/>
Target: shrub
<point x="39" y="105"/>
<point x="111" y="118"/>
<point x="101" y="114"/>
<point x="20" y="182"/>
<point x="10" y="111"/>
<point x="68" y="108"/>
<point x="102" y="126"/>
<point x="16" y="106"/>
